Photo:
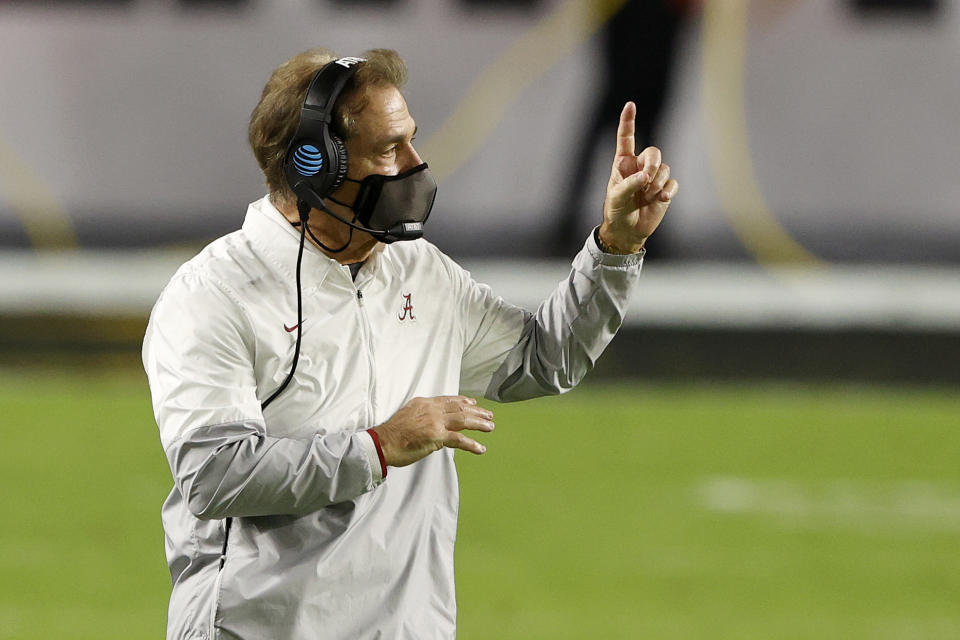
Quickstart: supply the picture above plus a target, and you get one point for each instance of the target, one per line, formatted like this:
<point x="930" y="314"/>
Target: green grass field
<point x="637" y="511"/>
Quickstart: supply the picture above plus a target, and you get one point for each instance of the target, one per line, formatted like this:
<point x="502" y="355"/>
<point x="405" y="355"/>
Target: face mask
<point x="395" y="208"/>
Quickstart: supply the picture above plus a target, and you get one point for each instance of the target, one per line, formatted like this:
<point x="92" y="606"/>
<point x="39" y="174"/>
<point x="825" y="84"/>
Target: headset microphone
<point x="398" y="231"/>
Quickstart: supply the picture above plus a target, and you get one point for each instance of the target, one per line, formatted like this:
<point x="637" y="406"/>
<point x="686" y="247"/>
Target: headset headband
<point x="326" y="87"/>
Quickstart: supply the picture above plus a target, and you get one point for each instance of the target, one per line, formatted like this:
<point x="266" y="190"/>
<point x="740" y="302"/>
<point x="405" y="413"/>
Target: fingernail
<point x="492" y="425"/>
<point x="472" y="400"/>
<point x="483" y="449"/>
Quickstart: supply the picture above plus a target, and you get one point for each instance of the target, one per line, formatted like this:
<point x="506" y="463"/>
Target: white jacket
<point x="321" y="545"/>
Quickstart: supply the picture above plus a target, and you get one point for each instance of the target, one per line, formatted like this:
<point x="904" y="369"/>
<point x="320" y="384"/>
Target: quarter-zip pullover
<point x="321" y="544"/>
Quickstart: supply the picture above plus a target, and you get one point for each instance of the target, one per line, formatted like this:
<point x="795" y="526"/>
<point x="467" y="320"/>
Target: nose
<point x="411" y="158"/>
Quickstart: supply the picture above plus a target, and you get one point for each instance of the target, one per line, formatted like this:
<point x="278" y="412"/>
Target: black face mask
<point x="392" y="208"/>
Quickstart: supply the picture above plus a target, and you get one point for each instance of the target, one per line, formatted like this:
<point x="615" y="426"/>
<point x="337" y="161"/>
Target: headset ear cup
<point x="341" y="151"/>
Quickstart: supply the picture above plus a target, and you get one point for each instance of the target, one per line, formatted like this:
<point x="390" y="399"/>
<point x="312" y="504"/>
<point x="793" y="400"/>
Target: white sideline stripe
<point x="687" y="295"/>
<point x="748" y="296"/>
<point x="846" y="504"/>
<point x="84" y="282"/>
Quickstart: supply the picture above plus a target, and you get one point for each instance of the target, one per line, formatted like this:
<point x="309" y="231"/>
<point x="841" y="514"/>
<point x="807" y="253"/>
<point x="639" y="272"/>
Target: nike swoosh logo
<point x="293" y="328"/>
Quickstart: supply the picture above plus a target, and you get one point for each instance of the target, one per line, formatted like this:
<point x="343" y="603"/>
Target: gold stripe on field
<point x="724" y="53"/>
<point x="498" y="85"/>
<point x="44" y="219"/>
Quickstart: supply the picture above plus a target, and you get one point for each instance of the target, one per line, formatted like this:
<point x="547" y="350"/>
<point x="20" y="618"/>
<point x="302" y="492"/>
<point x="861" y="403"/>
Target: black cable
<point x="329" y="250"/>
<point x="296" y="353"/>
<point x="304" y="210"/>
<point x="302" y="223"/>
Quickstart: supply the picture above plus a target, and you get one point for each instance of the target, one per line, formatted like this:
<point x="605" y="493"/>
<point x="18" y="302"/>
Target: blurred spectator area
<point x="815" y="234"/>
<point x="799" y="130"/>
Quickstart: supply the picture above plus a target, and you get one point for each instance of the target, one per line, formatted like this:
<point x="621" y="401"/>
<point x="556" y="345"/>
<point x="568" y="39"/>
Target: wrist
<point x="616" y="246"/>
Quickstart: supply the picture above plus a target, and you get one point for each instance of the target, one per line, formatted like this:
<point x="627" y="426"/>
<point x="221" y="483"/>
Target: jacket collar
<point x="268" y="229"/>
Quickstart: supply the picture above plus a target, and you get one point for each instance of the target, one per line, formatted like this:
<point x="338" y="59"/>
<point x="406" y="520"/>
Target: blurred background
<point x="785" y="384"/>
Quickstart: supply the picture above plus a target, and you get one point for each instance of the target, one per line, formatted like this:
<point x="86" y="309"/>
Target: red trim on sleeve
<point x="376" y="443"/>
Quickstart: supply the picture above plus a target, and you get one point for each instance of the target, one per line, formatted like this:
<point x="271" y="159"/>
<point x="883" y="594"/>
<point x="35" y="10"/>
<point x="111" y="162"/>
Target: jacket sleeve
<point x="514" y="355"/>
<point x="199" y="357"/>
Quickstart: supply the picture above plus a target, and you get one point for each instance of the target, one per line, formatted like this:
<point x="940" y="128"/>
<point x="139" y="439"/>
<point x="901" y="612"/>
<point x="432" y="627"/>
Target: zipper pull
<point x="360" y="297"/>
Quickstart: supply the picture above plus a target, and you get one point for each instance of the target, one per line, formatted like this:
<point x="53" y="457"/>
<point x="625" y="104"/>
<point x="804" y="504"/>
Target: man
<point x="315" y="493"/>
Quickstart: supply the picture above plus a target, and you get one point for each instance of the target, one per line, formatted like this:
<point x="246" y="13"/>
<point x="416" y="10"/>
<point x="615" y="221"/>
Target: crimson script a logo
<point x="406" y="311"/>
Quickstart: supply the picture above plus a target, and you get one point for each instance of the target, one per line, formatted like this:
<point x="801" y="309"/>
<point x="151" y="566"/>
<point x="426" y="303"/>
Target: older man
<point x="312" y="372"/>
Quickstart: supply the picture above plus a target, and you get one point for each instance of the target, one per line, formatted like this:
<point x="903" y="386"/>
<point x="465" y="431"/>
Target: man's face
<point x="384" y="140"/>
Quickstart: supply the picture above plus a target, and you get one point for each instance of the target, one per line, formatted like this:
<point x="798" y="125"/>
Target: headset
<point x="315" y="163"/>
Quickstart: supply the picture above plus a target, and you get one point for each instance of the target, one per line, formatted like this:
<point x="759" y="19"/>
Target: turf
<point x="636" y="511"/>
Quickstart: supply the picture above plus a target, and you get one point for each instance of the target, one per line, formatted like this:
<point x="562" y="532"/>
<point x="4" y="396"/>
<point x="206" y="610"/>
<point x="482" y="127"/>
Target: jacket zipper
<point x="365" y="327"/>
<point x="216" y="598"/>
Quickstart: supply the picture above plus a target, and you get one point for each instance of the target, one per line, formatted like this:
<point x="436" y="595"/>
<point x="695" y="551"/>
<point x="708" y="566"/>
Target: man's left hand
<point x="638" y="193"/>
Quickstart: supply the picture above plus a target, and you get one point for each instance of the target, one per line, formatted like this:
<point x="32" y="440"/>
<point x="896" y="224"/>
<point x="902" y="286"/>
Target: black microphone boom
<point x="400" y="231"/>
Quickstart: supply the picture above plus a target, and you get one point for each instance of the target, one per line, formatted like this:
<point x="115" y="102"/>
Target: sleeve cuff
<point x="371" y="447"/>
<point x="612" y="259"/>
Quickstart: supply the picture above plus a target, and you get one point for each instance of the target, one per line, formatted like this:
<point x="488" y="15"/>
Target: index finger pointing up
<point x="625" y="143"/>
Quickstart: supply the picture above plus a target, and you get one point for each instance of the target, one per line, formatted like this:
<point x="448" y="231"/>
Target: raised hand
<point x="638" y="193"/>
<point x="425" y="425"/>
